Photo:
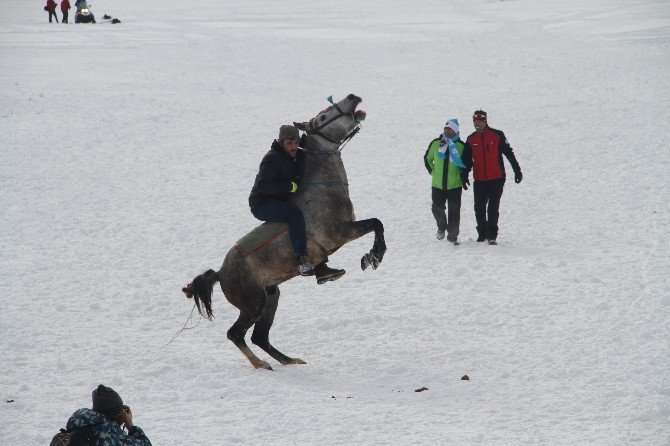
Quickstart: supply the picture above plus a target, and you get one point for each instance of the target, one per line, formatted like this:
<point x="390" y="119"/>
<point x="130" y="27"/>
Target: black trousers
<point x="283" y="212"/>
<point x="65" y="14"/>
<point x="451" y="222"/>
<point x="487" y="204"/>
<point x="53" y="13"/>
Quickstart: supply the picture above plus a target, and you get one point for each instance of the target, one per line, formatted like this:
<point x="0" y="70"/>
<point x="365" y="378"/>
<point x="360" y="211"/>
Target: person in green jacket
<point x="443" y="162"/>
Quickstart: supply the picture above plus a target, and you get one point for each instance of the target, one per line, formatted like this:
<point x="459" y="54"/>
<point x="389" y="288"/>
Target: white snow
<point x="127" y="153"/>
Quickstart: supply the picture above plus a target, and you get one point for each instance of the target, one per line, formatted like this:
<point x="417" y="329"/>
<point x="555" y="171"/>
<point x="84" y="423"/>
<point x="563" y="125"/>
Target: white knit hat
<point x="452" y="124"/>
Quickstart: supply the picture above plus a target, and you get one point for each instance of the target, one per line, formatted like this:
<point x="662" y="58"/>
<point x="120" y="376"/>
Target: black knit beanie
<point x="107" y="401"/>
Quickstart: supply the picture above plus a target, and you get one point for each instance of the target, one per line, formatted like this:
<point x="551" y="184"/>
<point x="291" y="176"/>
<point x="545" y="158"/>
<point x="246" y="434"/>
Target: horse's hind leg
<point x="249" y="314"/>
<point x="261" y="333"/>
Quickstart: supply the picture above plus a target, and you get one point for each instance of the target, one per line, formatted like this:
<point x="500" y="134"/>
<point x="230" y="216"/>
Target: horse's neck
<point x="324" y="185"/>
<point x="324" y="165"/>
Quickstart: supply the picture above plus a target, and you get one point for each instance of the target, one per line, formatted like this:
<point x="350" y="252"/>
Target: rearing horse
<point x="250" y="282"/>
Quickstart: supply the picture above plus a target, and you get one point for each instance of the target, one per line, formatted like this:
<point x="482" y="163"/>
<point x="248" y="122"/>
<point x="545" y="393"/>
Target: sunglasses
<point x="479" y="117"/>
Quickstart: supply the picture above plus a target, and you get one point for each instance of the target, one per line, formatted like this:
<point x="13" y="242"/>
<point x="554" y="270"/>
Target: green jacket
<point x="445" y="175"/>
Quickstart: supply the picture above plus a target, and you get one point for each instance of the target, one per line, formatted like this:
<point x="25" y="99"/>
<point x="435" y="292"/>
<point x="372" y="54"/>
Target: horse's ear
<point x="301" y="126"/>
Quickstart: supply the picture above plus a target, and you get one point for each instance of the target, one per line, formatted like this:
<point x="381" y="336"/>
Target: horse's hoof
<point x="297" y="361"/>
<point x="369" y="259"/>
<point x="262" y="365"/>
<point x="365" y="262"/>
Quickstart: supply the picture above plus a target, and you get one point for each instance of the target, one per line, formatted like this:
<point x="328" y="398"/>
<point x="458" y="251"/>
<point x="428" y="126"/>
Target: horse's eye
<point x="323" y="117"/>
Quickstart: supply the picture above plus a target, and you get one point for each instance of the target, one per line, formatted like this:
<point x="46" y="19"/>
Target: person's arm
<point x="507" y="150"/>
<point x="136" y="436"/>
<point x="429" y="159"/>
<point x="466" y="157"/>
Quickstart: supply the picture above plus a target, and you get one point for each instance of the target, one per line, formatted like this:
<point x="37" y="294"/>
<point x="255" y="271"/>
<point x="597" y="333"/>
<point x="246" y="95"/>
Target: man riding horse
<point x="250" y="278"/>
<point x="279" y="176"/>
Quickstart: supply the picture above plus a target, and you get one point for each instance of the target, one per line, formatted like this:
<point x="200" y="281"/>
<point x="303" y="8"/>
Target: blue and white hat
<point x="452" y="124"/>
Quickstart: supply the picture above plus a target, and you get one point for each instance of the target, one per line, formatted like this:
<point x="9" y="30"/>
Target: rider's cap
<point x="288" y="132"/>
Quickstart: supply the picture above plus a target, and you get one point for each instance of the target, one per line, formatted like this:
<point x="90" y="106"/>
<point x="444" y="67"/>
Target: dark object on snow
<point x="84" y="16"/>
<point x="106" y="17"/>
<point x="115" y="21"/>
<point x="465" y="378"/>
<point x="421" y="389"/>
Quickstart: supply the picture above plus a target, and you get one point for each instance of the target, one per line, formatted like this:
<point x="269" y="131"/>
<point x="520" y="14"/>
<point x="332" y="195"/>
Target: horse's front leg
<point x="376" y="254"/>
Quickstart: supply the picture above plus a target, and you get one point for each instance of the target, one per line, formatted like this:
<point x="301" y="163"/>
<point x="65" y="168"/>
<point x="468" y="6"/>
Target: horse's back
<point x="260" y="236"/>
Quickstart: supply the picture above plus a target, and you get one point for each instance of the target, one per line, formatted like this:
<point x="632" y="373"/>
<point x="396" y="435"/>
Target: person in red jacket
<point x="483" y="152"/>
<point x="51" y="9"/>
<point x="64" y="8"/>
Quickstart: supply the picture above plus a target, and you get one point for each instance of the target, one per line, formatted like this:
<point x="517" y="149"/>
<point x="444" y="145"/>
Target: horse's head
<point x="335" y="125"/>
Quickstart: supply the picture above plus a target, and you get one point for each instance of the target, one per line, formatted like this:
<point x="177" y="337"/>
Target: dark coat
<point x="276" y="173"/>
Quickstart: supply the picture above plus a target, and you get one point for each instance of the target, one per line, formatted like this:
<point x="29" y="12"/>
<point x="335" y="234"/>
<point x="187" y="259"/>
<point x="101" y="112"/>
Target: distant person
<point x="64" y="8"/>
<point x="443" y="162"/>
<point x="51" y="9"/>
<point x="278" y="177"/>
<point x="483" y="152"/>
<point x="103" y="425"/>
<point x="80" y="4"/>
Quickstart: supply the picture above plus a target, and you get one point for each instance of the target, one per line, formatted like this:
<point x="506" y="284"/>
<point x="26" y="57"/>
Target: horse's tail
<point x="200" y="289"/>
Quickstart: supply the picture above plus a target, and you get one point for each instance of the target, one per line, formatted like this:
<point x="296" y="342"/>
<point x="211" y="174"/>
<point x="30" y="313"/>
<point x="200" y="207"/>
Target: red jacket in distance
<point x="483" y="153"/>
<point x="51" y="5"/>
<point x="65" y="5"/>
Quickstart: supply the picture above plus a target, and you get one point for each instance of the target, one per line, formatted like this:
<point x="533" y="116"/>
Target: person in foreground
<point x="278" y="178"/>
<point x="443" y="162"/>
<point x="483" y="152"/>
<point x="104" y="424"/>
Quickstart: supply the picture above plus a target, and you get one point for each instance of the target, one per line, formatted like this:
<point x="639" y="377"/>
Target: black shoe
<point x="324" y="273"/>
<point x="492" y="241"/>
<point x="481" y="238"/>
<point x="453" y="239"/>
<point x="304" y="267"/>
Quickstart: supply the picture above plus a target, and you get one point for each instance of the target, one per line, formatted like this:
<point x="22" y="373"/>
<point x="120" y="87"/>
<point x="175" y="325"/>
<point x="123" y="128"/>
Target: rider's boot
<point x="324" y="273"/>
<point x="305" y="268"/>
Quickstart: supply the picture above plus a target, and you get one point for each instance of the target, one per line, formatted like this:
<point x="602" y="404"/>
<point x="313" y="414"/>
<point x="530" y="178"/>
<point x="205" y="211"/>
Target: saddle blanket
<point x="259" y="237"/>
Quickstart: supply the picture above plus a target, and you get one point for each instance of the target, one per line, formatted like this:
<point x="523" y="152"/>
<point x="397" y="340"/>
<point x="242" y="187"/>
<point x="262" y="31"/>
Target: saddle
<point x="259" y="237"/>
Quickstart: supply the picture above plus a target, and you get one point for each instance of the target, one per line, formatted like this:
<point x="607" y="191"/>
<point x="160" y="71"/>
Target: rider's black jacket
<point x="278" y="169"/>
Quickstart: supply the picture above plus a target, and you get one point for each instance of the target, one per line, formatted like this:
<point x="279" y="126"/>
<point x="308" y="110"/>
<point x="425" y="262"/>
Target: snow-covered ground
<point x="127" y="153"/>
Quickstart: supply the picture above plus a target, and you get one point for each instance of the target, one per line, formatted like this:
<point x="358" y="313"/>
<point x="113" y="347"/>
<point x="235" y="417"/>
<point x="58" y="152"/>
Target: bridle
<point x="316" y="129"/>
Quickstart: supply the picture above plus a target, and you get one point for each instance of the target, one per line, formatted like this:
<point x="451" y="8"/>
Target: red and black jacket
<point x="483" y="153"/>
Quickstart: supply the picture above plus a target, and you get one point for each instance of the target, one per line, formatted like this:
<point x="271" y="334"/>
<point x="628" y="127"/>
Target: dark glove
<point x="465" y="181"/>
<point x="518" y="177"/>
